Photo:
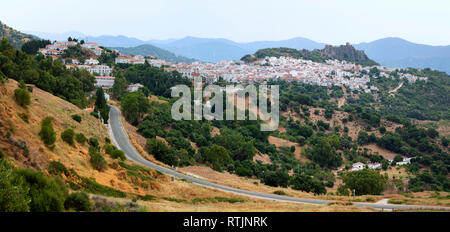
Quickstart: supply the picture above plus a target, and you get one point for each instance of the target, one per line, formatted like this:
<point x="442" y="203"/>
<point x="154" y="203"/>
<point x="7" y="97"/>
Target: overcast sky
<point x="329" y="21"/>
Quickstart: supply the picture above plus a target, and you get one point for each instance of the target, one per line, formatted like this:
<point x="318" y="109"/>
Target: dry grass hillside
<point x="21" y="143"/>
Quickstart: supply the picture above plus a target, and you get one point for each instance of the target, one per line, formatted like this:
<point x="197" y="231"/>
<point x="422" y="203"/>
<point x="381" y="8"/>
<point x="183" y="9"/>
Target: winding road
<point x="121" y="140"/>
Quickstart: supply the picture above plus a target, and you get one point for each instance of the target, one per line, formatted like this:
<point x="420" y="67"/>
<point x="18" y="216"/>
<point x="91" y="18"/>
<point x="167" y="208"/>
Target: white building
<point x="405" y="161"/>
<point x="91" y="61"/>
<point x="134" y="87"/>
<point x="102" y="70"/>
<point x="104" y="82"/>
<point x="357" y="166"/>
<point x="374" y="166"/>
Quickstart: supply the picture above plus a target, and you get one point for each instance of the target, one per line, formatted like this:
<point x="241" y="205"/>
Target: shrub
<point x="56" y="168"/>
<point x="47" y="195"/>
<point x="279" y="192"/>
<point x="118" y="154"/>
<point x="90" y="185"/>
<point x="229" y="200"/>
<point x="76" y="117"/>
<point x="342" y="191"/>
<point x="24" y="117"/>
<point x="2" y="155"/>
<point x="94" y="142"/>
<point x="22" y="97"/>
<point x="47" y="133"/>
<point x="81" y="139"/>
<point x="13" y="189"/>
<point x="95" y="114"/>
<point x="107" y="140"/>
<point x="68" y="136"/>
<point x="109" y="148"/>
<point x="114" y="152"/>
<point x="78" y="201"/>
<point x="97" y="161"/>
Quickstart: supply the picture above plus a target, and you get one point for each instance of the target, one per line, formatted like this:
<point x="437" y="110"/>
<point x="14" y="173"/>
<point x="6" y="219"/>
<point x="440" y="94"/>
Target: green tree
<point x="307" y="184"/>
<point x="364" y="182"/>
<point x="325" y="154"/>
<point x="22" y="97"/>
<point x="101" y="106"/>
<point x="134" y="105"/>
<point x="218" y="157"/>
<point x="120" y="87"/>
<point x="162" y="152"/>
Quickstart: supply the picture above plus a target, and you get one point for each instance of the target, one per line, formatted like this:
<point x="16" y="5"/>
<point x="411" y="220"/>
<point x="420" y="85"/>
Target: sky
<point x="327" y="21"/>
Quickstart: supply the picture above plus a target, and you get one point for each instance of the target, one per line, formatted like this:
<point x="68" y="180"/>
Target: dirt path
<point x="342" y="100"/>
<point x="396" y="89"/>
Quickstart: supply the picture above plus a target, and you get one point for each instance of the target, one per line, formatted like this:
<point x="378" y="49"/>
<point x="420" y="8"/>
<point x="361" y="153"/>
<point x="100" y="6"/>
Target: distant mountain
<point x="397" y="52"/>
<point x="344" y="52"/>
<point x="15" y="37"/>
<point x="209" y="50"/>
<point x="214" y="50"/>
<point x="148" y="49"/>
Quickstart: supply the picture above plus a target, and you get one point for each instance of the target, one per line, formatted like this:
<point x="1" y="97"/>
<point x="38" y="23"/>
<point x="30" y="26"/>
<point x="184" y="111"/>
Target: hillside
<point x="113" y="188"/>
<point x="148" y="49"/>
<point x="16" y="38"/>
<point x="344" y="52"/>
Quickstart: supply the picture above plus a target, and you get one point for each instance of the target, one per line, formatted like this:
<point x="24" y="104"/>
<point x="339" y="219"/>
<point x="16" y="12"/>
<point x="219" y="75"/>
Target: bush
<point x="13" y="189"/>
<point x="24" y="117"/>
<point x="56" y="168"/>
<point x="94" y="142"/>
<point x="342" y="191"/>
<point x="76" y="117"/>
<point x="118" y="154"/>
<point x="68" y="136"/>
<point x="81" y="139"/>
<point x="279" y="192"/>
<point x="114" y="152"/>
<point x="47" y="195"/>
<point x="47" y="133"/>
<point x="22" y="97"/>
<point x="97" y="161"/>
<point x="78" y="201"/>
<point x="95" y="114"/>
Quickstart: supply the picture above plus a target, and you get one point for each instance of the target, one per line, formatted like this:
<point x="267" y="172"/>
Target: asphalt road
<point x="121" y="140"/>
